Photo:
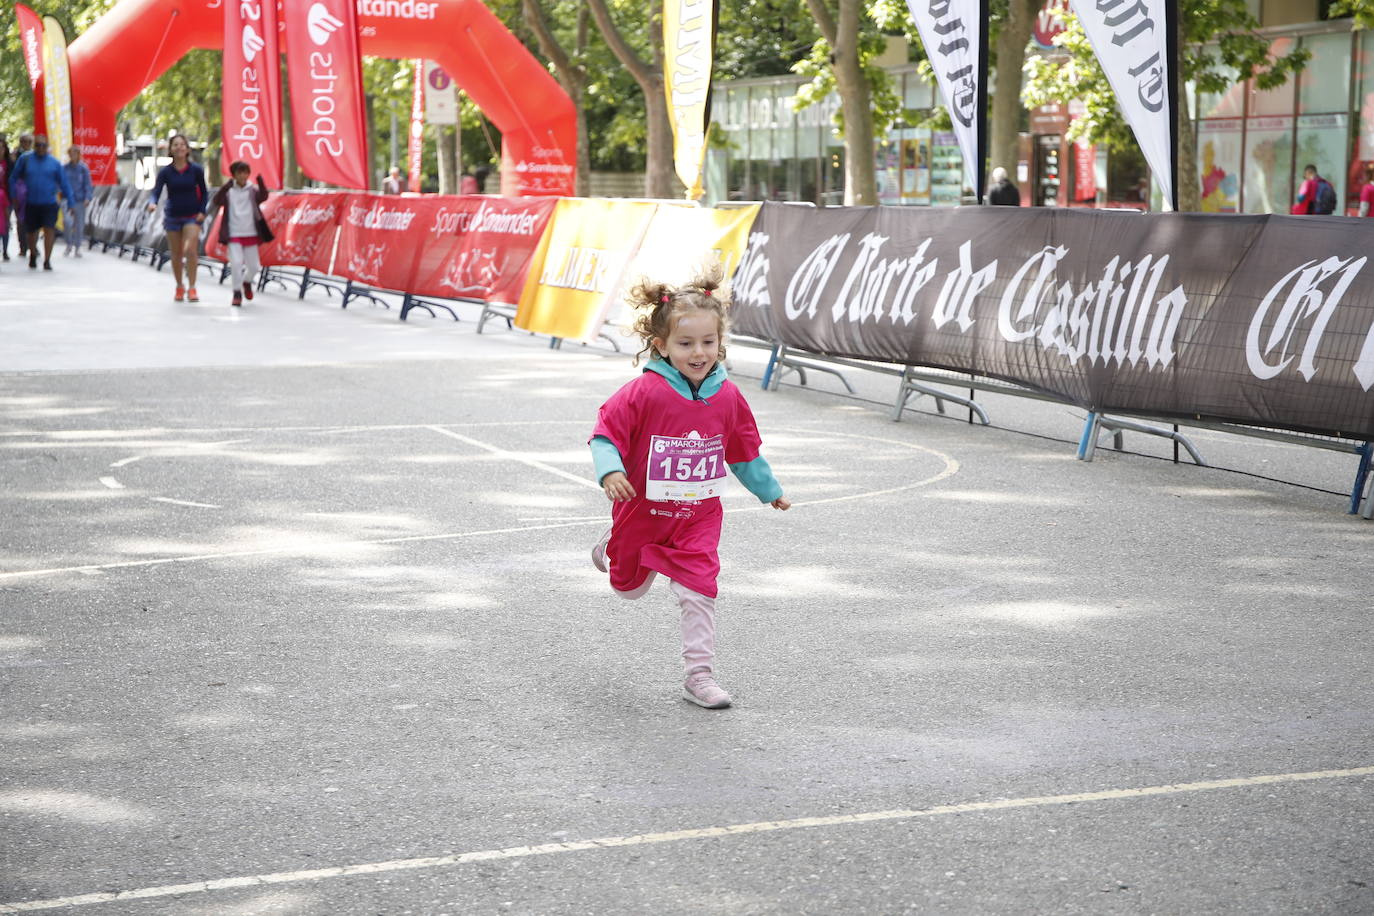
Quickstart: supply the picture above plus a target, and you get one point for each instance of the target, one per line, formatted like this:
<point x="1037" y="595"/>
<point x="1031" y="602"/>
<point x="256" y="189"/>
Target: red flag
<point x="324" y="69"/>
<point x="417" y="127"/>
<point x="31" y="43"/>
<point x="252" y="89"/>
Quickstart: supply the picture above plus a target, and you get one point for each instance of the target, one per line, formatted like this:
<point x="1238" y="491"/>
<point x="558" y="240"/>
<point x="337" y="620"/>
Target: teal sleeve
<point x="606" y="457"/>
<point x="758" y="478"/>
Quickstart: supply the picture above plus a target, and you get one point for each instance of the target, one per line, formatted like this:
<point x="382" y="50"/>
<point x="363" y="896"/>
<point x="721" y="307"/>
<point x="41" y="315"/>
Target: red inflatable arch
<point x="134" y="43"/>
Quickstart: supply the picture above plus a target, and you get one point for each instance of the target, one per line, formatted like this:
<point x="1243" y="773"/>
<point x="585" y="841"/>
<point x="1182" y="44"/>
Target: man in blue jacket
<point x="45" y="178"/>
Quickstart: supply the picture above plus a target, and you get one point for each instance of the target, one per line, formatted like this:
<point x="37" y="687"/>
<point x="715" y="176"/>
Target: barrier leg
<point x="347" y="294"/>
<point x="1361" y="476"/>
<point x="772" y="365"/>
<point x="1088" y="444"/>
<point x="305" y="281"/>
<point x="902" y="394"/>
<point x="775" y="379"/>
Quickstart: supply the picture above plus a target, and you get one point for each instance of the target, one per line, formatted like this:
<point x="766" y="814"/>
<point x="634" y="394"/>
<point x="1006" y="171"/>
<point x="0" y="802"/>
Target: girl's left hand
<point x="781" y="503"/>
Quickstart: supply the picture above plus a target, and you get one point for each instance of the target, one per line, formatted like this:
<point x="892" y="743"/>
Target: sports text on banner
<point x="324" y="67"/>
<point x="57" y="88"/>
<point x="1135" y="45"/>
<point x="252" y="89"/>
<point x="688" y="45"/>
<point x="955" y="35"/>
<point x="31" y="42"/>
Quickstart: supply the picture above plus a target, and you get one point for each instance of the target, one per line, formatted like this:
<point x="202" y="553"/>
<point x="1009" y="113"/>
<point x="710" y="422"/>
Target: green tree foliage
<point x="1218" y="47"/>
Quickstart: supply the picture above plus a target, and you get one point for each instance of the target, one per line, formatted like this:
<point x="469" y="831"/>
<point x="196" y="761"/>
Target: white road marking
<point x="674" y="836"/>
<point x="123" y="461"/>
<point x="951" y="467"/>
<point x="112" y="483"/>
<point x="183" y="502"/>
<point x="512" y="456"/>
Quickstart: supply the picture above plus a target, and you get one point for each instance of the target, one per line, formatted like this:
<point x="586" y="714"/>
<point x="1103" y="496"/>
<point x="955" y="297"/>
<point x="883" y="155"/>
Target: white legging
<point x="239" y="256"/>
<point x="698" y="623"/>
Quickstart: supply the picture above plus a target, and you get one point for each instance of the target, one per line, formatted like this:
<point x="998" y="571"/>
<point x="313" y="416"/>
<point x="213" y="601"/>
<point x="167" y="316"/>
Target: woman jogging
<point x="183" y="213"/>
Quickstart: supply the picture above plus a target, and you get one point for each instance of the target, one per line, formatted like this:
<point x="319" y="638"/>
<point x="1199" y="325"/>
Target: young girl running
<point x="661" y="447"/>
<point x="242" y="227"/>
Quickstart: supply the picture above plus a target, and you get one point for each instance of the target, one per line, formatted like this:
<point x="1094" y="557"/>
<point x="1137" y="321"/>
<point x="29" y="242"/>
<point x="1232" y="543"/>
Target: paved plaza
<point x="297" y="616"/>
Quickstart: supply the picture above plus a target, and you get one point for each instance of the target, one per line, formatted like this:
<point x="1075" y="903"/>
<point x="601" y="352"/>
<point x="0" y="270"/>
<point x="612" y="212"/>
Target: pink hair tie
<point x="706" y="291"/>
<point x="663" y="298"/>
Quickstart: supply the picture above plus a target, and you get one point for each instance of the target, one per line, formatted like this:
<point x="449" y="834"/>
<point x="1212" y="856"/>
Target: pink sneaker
<point x="701" y="688"/>
<point x="599" y="551"/>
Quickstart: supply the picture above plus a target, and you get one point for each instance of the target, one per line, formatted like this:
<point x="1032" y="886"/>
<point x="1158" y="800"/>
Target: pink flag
<point x="417" y="128"/>
<point x="31" y="43"/>
<point x="252" y="89"/>
<point x="324" y="69"/>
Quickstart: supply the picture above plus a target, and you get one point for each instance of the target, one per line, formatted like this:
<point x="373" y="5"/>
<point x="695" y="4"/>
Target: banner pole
<point x="981" y="167"/>
<point x="1173" y="26"/>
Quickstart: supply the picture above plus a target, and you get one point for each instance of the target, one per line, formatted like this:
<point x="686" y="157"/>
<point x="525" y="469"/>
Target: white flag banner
<point x="955" y="33"/>
<point x="441" y="96"/>
<point x="1135" y="46"/>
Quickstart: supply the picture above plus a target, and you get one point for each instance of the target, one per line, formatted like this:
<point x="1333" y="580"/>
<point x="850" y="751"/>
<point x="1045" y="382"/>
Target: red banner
<point x="252" y="89"/>
<point x="480" y="247"/>
<point x="447" y="247"/>
<point x="31" y="43"/>
<point x="417" y="128"/>
<point x="324" y="67"/>
<point x="304" y="226"/>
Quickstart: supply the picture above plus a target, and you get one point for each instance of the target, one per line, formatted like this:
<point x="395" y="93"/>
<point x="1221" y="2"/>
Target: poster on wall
<point x="916" y="168"/>
<point x="1219" y="152"/>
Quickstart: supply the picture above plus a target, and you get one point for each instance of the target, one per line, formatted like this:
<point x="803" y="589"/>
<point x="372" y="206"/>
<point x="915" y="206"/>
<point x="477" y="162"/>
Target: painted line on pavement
<point x="183" y="502"/>
<point x="673" y="836"/>
<point x="111" y="483"/>
<point x="515" y="456"/>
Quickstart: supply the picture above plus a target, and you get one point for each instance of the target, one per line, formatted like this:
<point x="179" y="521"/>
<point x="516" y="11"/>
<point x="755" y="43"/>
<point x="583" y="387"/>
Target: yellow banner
<point x="680" y="240"/>
<point x="579" y="264"/>
<point x="688" y="41"/>
<point x="57" y="89"/>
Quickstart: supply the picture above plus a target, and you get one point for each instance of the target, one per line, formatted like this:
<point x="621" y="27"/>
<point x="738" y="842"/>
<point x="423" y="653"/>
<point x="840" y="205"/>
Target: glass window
<point x="1277" y="101"/>
<point x="1322" y="142"/>
<point x="1219" y="157"/>
<point x="1365" y="144"/>
<point x="916" y="92"/>
<point x="1324" y="84"/>
<point x="1268" y="165"/>
<point x="1228" y="104"/>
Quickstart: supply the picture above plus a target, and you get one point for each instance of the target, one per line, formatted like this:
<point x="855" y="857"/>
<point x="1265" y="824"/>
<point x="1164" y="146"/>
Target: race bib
<point x="685" y="469"/>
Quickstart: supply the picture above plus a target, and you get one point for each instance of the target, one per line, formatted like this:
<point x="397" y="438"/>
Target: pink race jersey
<point x="675" y="452"/>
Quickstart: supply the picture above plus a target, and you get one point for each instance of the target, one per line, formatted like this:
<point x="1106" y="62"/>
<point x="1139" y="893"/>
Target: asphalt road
<point x="297" y="616"/>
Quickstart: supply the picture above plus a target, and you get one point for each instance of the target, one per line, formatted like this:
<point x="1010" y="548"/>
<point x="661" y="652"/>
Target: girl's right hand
<point x="617" y="486"/>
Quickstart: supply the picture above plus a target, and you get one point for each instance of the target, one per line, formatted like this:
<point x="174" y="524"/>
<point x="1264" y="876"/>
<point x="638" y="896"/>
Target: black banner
<point x="1260" y="320"/>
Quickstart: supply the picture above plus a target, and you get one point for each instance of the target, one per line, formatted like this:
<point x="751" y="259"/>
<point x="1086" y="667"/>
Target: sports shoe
<point x="33" y="260"/>
<point x="247" y="290"/>
<point x="701" y="688"/>
<point x="599" y="551"/>
<point x="192" y="295"/>
<point x="179" y="295"/>
<point x="76" y="253"/>
<point x="237" y="300"/>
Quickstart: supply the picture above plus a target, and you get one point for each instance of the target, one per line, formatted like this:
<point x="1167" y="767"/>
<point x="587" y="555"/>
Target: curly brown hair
<point x="660" y="304"/>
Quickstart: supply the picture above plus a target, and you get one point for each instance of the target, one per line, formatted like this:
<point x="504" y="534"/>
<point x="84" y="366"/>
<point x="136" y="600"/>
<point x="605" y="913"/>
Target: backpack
<point x="1326" y="198"/>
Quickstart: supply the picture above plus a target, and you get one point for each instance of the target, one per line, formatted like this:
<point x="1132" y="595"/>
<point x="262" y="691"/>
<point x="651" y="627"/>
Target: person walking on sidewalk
<point x="241" y="227"/>
<point x="79" y="177"/>
<point x="183" y="214"/>
<point x="6" y="165"/>
<point x="18" y="192"/>
<point x="43" y="178"/>
<point x="661" y="446"/>
<point x="1316" y="196"/>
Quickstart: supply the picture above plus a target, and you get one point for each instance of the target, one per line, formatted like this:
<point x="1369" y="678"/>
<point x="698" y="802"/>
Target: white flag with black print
<point x="1136" y="45"/>
<point x="955" y="33"/>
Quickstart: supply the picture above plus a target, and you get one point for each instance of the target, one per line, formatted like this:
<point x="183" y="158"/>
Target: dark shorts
<point x="40" y="216"/>
<point x="176" y="223"/>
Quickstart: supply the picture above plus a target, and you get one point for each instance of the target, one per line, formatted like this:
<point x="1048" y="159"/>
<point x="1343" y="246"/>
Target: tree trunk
<point x="571" y="76"/>
<point x="1189" y="190"/>
<point x="290" y="168"/>
<point x="856" y="99"/>
<point x="1005" y="121"/>
<point x="660" y="180"/>
<point x="446" y="144"/>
